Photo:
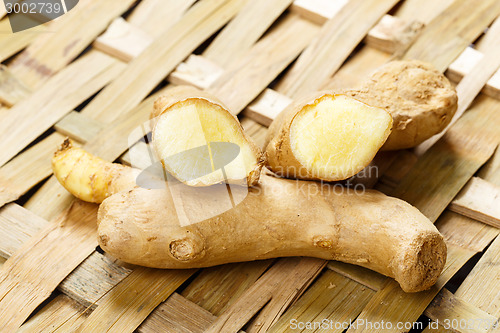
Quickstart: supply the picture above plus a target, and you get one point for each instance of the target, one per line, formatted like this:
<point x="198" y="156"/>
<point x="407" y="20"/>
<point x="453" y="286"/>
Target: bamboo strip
<point x="479" y="200"/>
<point x="62" y="314"/>
<point x="263" y="63"/>
<point x="26" y="280"/>
<point x="73" y="32"/>
<point x="217" y="288"/>
<point x="11" y="89"/>
<point x="79" y="127"/>
<point x="17" y="176"/>
<point x="446" y="307"/>
<point x="364" y="276"/>
<point x="465" y="232"/>
<point x="326" y="53"/>
<point x="3" y="11"/>
<point x="265" y="289"/>
<point x="11" y="43"/>
<point x="453" y="160"/>
<point x="154" y="17"/>
<point x="128" y="304"/>
<point x="325" y="302"/>
<point x="480" y="287"/>
<point x="59" y="95"/>
<point x="87" y="283"/>
<point x="18" y="225"/>
<point x="244" y="30"/>
<point x="473" y="82"/>
<point x="452" y="31"/>
<point x="161" y="57"/>
<point x="393" y="305"/>
<point x="422" y="10"/>
<point x="177" y="315"/>
<point x="465" y="63"/>
<point x="123" y="41"/>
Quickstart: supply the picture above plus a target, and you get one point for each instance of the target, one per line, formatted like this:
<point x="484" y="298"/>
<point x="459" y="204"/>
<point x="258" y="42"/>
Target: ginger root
<point x="325" y="136"/>
<point x="200" y="142"/>
<point x="88" y="177"/>
<point x="277" y="218"/>
<point x="420" y="99"/>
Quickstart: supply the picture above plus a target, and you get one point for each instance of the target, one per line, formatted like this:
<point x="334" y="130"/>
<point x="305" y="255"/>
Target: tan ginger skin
<point x="278" y="218"/>
<point x="420" y="99"/>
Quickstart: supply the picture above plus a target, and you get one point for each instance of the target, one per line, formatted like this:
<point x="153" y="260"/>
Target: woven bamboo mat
<point x="93" y="75"/>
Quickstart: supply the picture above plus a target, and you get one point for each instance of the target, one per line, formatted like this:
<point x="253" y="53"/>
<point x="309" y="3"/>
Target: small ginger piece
<point x="200" y="142"/>
<point x="88" y="177"/>
<point x="327" y="137"/>
<point x="420" y="99"/>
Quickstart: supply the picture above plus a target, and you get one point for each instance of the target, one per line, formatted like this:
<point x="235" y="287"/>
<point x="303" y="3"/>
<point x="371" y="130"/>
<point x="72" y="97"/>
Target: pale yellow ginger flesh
<point x="330" y="137"/>
<point x="89" y="177"/>
<point x="187" y="139"/>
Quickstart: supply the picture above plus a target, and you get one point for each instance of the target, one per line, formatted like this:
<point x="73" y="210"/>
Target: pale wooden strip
<point x="318" y="11"/>
<point x="73" y="32"/>
<point x="480" y="288"/>
<point x="62" y="314"/>
<point x="263" y="63"/>
<point x="491" y="170"/>
<point x="244" y="30"/>
<point x="161" y="57"/>
<point x="447" y="35"/>
<point x="177" y="315"/>
<point x="466" y="62"/>
<point x="453" y="160"/>
<point x="392" y="34"/>
<point x="123" y="40"/>
<point x="17" y="177"/>
<point x="267" y="106"/>
<point x="465" y="232"/>
<point x="298" y="272"/>
<point x="79" y="127"/>
<point x="422" y="10"/>
<point x="446" y="307"/>
<point x="479" y="200"/>
<point x="59" y="95"/>
<point x="87" y="283"/>
<point x="366" y="277"/>
<point x="217" y="288"/>
<point x="197" y="71"/>
<point x="154" y="17"/>
<point x="393" y="305"/>
<point x="26" y="279"/>
<point x="325" y="55"/>
<point x="326" y="300"/>
<point x="473" y="82"/>
<point x="11" y="89"/>
<point x="3" y="11"/>
<point x="128" y="304"/>
<point x="17" y="225"/>
<point x="92" y="279"/>
<point x="11" y="43"/>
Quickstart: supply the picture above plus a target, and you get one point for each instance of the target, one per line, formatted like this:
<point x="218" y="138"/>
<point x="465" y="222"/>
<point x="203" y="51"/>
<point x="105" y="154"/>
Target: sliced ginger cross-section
<point x="200" y="142"/>
<point x="328" y="137"/>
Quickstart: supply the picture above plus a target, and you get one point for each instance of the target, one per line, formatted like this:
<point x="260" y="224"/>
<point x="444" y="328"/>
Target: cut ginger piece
<point x="200" y="142"/>
<point x="326" y="137"/>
